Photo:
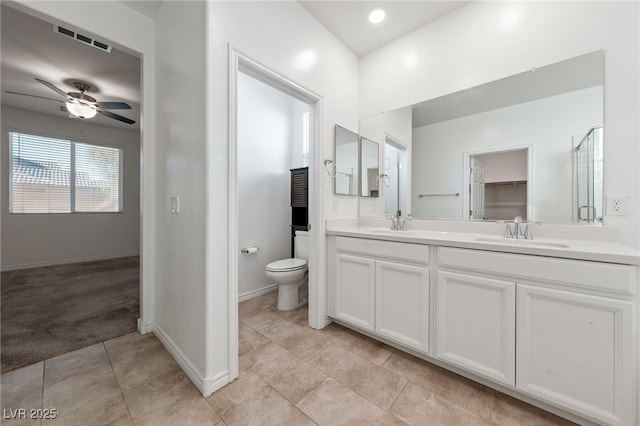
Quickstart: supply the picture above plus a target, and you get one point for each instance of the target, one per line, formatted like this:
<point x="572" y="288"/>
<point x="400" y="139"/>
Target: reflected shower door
<point x="588" y="162"/>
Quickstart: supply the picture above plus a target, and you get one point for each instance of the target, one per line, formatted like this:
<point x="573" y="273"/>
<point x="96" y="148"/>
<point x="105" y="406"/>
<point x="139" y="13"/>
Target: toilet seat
<point x="287" y="265"/>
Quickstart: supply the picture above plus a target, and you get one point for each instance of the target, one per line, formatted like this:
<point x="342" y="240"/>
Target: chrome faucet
<point x="399" y="223"/>
<point x="395" y="223"/>
<point x="518" y="232"/>
<point x="516" y="226"/>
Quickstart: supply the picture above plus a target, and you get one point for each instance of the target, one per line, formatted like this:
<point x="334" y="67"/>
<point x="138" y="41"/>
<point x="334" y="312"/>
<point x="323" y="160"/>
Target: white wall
<point x="548" y="125"/>
<point x="507" y="166"/>
<point x="44" y="239"/>
<point x="269" y="142"/>
<point x="278" y="35"/>
<point x="486" y="41"/>
<point x="181" y="164"/>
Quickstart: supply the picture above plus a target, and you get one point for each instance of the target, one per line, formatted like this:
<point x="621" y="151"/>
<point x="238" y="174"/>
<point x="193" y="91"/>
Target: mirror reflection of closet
<point x="346" y="165"/>
<point x="498" y="185"/>
<point x="369" y="168"/>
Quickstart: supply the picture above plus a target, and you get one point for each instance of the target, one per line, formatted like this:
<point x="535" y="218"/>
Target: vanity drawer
<point x="609" y="277"/>
<point x="406" y="252"/>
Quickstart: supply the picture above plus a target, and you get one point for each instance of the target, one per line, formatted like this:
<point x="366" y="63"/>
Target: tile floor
<point x="289" y="374"/>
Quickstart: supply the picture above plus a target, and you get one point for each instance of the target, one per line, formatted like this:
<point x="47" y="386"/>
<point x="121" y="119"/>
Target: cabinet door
<point x="355" y="290"/>
<point x="476" y="325"/>
<point x="575" y="350"/>
<point x="402" y="304"/>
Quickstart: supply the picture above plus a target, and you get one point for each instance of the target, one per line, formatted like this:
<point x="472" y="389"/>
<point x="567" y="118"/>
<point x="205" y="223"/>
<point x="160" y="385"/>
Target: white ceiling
<point x="146" y="7"/>
<point x="30" y="49"/>
<point x="349" y="20"/>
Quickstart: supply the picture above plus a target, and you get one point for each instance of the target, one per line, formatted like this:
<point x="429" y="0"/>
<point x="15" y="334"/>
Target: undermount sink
<point x="391" y="232"/>
<point x="521" y="242"/>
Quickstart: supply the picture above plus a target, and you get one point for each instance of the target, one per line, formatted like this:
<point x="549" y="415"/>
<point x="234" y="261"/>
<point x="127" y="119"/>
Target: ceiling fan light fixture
<point x="81" y="110"/>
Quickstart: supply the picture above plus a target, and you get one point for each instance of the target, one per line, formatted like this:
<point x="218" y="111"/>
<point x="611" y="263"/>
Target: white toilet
<point x="291" y="274"/>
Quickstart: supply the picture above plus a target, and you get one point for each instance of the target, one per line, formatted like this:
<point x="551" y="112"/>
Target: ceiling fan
<point x="80" y="104"/>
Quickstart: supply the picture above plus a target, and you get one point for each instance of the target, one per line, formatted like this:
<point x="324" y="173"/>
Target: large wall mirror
<point x="528" y="145"/>
<point x="346" y="164"/>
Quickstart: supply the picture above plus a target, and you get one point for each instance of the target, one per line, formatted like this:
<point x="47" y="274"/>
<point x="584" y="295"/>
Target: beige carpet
<point x="53" y="310"/>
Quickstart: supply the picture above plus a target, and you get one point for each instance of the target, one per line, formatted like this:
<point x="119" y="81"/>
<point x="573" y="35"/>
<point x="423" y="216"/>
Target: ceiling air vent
<point x="82" y="38"/>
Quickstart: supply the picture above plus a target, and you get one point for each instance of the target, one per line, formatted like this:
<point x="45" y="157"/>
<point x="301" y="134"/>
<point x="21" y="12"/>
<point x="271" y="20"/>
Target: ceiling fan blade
<point x="54" y="88"/>
<point x="113" y="105"/>
<point x="115" y="116"/>
<point x="33" y="96"/>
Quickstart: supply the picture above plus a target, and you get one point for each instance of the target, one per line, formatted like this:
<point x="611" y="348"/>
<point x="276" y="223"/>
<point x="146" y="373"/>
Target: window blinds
<point x="51" y="175"/>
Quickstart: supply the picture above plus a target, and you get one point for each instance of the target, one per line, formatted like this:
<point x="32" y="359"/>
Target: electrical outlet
<point x="615" y="205"/>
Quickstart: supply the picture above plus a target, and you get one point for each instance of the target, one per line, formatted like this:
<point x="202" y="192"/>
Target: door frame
<point x="74" y="13"/>
<point x="403" y="177"/>
<point x="240" y="62"/>
<point x="466" y="181"/>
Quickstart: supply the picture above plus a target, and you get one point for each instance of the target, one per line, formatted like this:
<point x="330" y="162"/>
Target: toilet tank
<point x="301" y="245"/>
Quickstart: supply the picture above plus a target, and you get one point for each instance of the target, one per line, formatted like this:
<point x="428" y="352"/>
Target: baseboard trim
<point x="256" y="293"/>
<point x="206" y="385"/>
<point x="6" y="268"/>
<point x="212" y="384"/>
<point x="185" y="363"/>
<point x="144" y="327"/>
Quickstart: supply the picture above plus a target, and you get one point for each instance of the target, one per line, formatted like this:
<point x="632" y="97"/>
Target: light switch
<point x="175" y="204"/>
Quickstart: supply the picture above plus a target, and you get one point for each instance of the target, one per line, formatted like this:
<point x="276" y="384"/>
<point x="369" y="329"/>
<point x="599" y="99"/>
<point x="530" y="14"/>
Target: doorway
<point x="309" y="104"/>
<point x="87" y="140"/>
<point x="499" y="185"/>
<point x="272" y="138"/>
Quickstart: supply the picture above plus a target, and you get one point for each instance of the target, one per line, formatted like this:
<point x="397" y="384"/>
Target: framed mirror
<point x="346" y="164"/>
<point x="536" y="140"/>
<point x="369" y="168"/>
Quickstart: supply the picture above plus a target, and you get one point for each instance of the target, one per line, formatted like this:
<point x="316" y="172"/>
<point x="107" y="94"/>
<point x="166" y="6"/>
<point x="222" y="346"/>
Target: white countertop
<point x="600" y="251"/>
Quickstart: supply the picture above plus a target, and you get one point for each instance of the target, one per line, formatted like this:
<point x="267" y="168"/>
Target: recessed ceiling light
<point x="376" y="16"/>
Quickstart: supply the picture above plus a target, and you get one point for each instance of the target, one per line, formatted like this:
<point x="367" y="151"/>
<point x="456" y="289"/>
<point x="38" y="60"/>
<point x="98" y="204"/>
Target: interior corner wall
<point x="30" y="240"/>
<point x="181" y="172"/>
<point x="286" y="38"/>
<point x="486" y="41"/>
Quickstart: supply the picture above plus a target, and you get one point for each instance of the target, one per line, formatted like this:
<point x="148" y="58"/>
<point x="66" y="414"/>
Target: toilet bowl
<point x="291" y="275"/>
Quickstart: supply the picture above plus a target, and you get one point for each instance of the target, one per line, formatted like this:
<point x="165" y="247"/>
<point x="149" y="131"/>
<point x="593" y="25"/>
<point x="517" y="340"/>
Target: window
<point x="305" y="139"/>
<point x="51" y="175"/>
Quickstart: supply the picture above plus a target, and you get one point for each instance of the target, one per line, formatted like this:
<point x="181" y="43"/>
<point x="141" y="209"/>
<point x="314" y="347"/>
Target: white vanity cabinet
<point x="476" y="324"/>
<point x="381" y="287"/>
<point x="402" y="304"/>
<point x="557" y="332"/>
<point x="573" y="343"/>
<point x="355" y="290"/>
<point x="575" y="349"/>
